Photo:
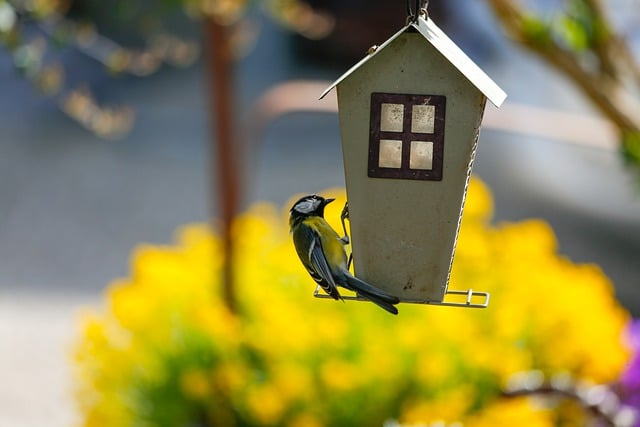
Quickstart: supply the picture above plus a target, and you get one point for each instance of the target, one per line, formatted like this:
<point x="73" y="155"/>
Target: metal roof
<point x="443" y="44"/>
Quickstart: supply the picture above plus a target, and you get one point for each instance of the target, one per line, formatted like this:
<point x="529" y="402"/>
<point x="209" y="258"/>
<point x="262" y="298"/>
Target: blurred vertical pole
<point x="225" y="174"/>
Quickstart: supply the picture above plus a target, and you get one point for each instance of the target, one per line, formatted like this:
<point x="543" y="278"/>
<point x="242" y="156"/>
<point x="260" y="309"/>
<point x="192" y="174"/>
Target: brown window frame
<point x="406" y="136"/>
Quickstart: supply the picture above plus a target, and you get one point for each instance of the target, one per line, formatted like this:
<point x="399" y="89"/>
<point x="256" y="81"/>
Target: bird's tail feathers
<point x="373" y="294"/>
<point x="332" y="291"/>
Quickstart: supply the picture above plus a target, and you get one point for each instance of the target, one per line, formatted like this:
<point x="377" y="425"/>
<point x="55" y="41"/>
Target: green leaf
<point x="631" y="148"/>
<point x="536" y="31"/>
<point x="572" y="33"/>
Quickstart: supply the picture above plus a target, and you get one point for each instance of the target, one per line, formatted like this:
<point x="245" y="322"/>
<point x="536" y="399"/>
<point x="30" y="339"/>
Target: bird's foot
<point x="344" y="216"/>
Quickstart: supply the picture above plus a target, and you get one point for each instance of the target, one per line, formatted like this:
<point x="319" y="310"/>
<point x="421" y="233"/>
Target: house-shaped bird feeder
<point x="410" y="115"/>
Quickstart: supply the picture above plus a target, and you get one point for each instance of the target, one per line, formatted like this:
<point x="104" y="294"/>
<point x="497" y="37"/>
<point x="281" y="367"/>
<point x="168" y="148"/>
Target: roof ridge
<point x="447" y="48"/>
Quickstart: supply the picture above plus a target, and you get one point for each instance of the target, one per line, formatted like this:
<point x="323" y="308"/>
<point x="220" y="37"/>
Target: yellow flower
<point x="293" y="381"/>
<point x="305" y="420"/>
<point x="166" y="350"/>
<point x="340" y="375"/>
<point x="265" y="404"/>
<point x="195" y="383"/>
<point x="511" y="412"/>
<point x="447" y="407"/>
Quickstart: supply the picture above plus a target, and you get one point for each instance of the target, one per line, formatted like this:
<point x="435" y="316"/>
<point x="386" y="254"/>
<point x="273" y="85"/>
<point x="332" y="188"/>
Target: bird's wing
<point x="320" y="270"/>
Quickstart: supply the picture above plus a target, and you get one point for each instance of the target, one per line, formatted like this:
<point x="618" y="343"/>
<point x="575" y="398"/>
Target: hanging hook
<point x="420" y="9"/>
<point x="424" y="10"/>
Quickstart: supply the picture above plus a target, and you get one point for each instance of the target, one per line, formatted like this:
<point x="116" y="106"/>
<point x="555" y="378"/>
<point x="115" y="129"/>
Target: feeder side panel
<point x="403" y="232"/>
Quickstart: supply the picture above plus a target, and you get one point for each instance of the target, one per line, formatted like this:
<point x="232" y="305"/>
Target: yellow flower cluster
<point x="166" y="351"/>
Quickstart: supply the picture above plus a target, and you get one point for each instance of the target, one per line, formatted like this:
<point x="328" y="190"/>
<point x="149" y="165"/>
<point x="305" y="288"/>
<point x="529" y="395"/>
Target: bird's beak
<point x="327" y="201"/>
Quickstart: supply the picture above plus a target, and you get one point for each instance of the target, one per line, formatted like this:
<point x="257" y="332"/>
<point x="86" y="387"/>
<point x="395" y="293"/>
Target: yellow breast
<point x="331" y="243"/>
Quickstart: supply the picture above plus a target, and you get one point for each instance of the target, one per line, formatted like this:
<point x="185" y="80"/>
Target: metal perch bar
<point x="470" y="293"/>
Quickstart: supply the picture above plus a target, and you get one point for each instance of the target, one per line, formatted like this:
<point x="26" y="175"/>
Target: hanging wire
<point x="420" y="7"/>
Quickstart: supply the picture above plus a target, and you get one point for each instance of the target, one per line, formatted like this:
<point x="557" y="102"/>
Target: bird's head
<point x="311" y="205"/>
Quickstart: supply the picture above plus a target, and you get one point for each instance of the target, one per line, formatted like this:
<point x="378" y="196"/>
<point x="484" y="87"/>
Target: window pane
<point x="422" y="118"/>
<point x="421" y="156"/>
<point x="390" y="153"/>
<point x="391" y="118"/>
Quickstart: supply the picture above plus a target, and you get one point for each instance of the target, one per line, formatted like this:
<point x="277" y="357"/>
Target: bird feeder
<point x="410" y="115"/>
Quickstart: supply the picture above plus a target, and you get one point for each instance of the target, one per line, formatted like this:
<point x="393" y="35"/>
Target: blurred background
<point x="106" y="142"/>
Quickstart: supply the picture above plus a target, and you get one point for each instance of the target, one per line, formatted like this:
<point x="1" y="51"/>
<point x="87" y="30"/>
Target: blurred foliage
<point x="126" y="37"/>
<point x="579" y="26"/>
<point x="166" y="351"/>
<point x="40" y="34"/>
<point x="579" y="38"/>
<point x="631" y="147"/>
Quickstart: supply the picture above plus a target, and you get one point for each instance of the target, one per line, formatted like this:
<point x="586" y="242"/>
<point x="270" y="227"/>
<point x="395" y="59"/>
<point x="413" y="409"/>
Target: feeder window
<point x="391" y="117"/>
<point x="423" y="118"/>
<point x="406" y="136"/>
<point x="390" y="153"/>
<point x="421" y="156"/>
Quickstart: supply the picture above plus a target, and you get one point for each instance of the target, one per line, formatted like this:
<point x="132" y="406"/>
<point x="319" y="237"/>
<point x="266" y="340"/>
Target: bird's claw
<point x="343" y="216"/>
<point x="345" y="211"/>
<point x="345" y="240"/>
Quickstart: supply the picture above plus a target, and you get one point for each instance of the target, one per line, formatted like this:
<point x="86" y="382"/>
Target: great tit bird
<point x="322" y="253"/>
